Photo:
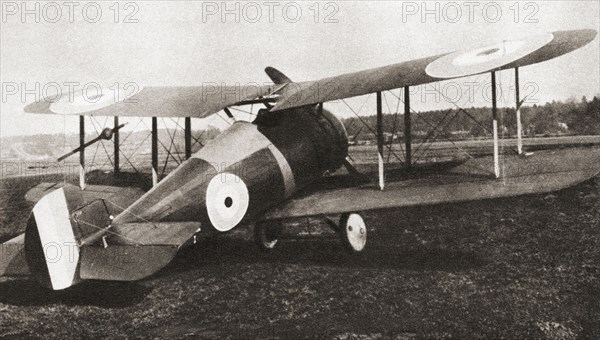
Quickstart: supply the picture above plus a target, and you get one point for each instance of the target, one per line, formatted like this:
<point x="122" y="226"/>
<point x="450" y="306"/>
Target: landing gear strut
<point x="352" y="231"/>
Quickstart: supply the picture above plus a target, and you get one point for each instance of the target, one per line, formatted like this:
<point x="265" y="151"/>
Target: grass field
<point x="525" y="267"/>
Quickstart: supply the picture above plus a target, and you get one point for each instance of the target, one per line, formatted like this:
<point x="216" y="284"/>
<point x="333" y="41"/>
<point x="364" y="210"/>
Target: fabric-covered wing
<point x="202" y="101"/>
<point x="181" y="101"/>
<point x="496" y="57"/>
<point x="545" y="171"/>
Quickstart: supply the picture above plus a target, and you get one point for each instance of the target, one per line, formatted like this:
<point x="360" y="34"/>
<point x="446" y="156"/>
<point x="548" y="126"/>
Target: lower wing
<point x="545" y="171"/>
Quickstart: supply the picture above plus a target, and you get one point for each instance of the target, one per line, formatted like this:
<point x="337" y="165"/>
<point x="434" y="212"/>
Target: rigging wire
<point x="101" y="142"/>
<point x="451" y="141"/>
<point x="394" y="129"/>
<point x="370" y="129"/>
<point x="196" y="141"/>
<point x="395" y="115"/>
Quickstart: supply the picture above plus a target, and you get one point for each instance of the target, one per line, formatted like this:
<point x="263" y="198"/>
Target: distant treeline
<point x="556" y="118"/>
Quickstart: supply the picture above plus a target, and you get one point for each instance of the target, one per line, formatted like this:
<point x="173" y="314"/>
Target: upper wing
<point x="202" y="101"/>
<point x="496" y="57"/>
<point x="545" y="171"/>
<point x="169" y="101"/>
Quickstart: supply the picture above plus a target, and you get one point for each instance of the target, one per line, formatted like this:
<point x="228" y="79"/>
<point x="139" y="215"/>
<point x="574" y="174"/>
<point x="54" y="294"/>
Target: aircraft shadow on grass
<point x="28" y="292"/>
<point x="224" y="252"/>
<point x="320" y="251"/>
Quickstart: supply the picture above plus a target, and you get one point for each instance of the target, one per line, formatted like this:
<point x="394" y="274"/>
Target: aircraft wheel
<point x="353" y="232"/>
<point x="266" y="234"/>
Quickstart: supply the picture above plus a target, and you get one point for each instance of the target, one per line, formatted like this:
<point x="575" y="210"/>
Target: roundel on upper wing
<point x="474" y="61"/>
<point x="92" y="99"/>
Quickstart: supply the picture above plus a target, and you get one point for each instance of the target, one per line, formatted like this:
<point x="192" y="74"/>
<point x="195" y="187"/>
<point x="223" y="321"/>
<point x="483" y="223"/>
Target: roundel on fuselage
<point x="227" y="201"/>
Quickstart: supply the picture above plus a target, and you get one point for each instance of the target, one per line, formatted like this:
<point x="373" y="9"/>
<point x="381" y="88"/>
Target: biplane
<point x="269" y="170"/>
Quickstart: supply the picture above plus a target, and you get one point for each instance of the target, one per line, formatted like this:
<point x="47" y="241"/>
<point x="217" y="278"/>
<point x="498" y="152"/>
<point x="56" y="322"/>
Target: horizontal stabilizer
<point x="155" y="233"/>
<point x="124" y="263"/>
<point x="134" y="251"/>
<point x="69" y="238"/>
<point x="64" y="219"/>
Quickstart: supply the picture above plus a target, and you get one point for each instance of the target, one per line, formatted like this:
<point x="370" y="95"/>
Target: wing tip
<point x="576" y="38"/>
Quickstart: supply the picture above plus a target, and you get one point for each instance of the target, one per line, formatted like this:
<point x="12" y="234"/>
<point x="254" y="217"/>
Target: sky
<point x="58" y="45"/>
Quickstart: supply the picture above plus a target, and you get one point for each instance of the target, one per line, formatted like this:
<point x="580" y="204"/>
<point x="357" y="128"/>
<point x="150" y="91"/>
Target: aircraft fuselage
<point x="249" y="168"/>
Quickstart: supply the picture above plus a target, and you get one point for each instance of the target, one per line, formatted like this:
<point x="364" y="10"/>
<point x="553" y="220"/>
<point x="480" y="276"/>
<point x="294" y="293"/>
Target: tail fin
<point x="69" y="238"/>
<point x="51" y="247"/>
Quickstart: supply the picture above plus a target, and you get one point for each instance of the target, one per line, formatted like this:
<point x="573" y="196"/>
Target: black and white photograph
<point x="186" y="169"/>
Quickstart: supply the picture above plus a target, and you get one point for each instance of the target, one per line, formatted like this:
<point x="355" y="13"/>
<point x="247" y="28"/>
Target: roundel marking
<point x="478" y="60"/>
<point x="227" y="201"/>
